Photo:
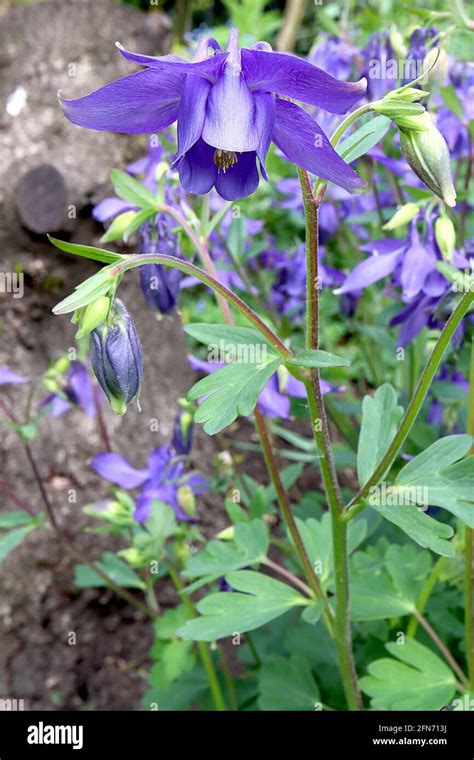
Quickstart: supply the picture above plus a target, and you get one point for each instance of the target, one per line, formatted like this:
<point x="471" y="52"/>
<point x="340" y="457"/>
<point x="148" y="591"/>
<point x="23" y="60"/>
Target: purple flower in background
<point x="160" y="480"/>
<point x="380" y="65"/>
<point x="411" y="262"/>
<point x="228" y="111"/>
<point x="160" y="285"/>
<point x="334" y="55"/>
<point x="8" y="377"/>
<point x="74" y="389"/>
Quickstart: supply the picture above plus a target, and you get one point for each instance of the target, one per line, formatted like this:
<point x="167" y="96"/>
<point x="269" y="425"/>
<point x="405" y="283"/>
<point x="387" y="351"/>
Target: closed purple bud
<point x="183" y="432"/>
<point x="160" y="285"/>
<point x="116" y="357"/>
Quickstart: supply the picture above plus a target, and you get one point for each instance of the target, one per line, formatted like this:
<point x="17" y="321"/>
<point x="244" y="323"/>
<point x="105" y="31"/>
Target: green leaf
<point x="116" y="569"/>
<point x="416" y="680"/>
<point x="425" y="530"/>
<point x="137" y="222"/>
<point x="176" y="658"/>
<point x="89" y="290"/>
<point x="437" y="478"/>
<point x="317" y="358"/>
<point x="288" y="475"/>
<point x="117" y="228"/>
<point x="287" y="684"/>
<point x="387" y="586"/>
<point x="12" y="539"/>
<point x="380" y="418"/>
<point x="452" y="101"/>
<point x="364" y="138"/>
<point x="131" y="190"/>
<point x="223" y="614"/>
<point x="15" y="519"/>
<point x="87" y="251"/>
<point x="250" y="546"/>
<point x="233" y="391"/>
<point x="317" y="539"/>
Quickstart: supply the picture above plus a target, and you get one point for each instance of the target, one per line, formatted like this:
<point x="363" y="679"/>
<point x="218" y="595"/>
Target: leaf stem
<point x="442" y="648"/>
<point x="355" y="505"/>
<point x="425" y="594"/>
<point x="202" y="646"/>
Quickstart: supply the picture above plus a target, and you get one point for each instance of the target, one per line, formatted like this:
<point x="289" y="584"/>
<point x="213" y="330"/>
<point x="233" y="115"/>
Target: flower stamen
<point x="224" y="159"/>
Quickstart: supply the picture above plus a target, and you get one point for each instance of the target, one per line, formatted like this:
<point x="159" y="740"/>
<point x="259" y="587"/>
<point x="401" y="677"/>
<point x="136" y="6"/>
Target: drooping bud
<point x="402" y="216"/>
<point x="445" y="235"/>
<point x="160" y="285"/>
<point x="427" y="154"/>
<point x="116" y="358"/>
<point x="93" y="315"/>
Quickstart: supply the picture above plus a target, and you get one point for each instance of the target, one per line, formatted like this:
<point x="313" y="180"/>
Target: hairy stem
<point x="320" y="427"/>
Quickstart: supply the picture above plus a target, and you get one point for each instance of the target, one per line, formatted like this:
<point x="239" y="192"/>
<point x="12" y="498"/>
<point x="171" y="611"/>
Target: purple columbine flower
<point x="116" y="358"/>
<point x="159" y="481"/>
<point x="229" y="107"/>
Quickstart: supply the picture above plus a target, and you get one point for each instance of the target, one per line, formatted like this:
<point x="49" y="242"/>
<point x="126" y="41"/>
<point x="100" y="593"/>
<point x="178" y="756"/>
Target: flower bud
<point x="116" y="358"/>
<point x="445" y="235"/>
<point x="402" y="216"/>
<point x="181" y="553"/>
<point x="427" y="154"/>
<point x="94" y="314"/>
<point x="186" y="500"/>
<point x="183" y="432"/>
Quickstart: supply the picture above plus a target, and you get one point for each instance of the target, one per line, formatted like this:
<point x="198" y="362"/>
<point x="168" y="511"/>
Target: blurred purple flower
<point x="160" y="480"/>
<point x="160" y="285"/>
<point x="77" y="389"/>
<point x="8" y="377"/>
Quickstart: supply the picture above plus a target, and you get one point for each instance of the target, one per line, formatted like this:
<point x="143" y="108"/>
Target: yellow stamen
<point x="224" y="159"/>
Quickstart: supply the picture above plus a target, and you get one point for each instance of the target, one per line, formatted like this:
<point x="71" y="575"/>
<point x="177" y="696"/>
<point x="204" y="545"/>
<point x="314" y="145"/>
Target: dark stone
<point x="41" y="199"/>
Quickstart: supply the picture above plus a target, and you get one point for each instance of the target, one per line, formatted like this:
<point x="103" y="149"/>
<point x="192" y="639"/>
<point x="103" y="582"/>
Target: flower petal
<point x="210" y="68"/>
<point x="8" y="376"/>
<point x="117" y="470"/>
<point x="240" y="180"/>
<point x="197" y="170"/>
<point x="144" y="102"/>
<point x="230" y="114"/>
<point x="304" y="142"/>
<point x="369" y="271"/>
<point x="108" y="208"/>
<point x="293" y="77"/>
<point x="264" y="121"/>
<point x="191" y="114"/>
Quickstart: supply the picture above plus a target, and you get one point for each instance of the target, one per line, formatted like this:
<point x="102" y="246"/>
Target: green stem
<point x="443" y="649"/>
<point x="139" y="260"/>
<point x="342" y="623"/>
<point x="425" y="594"/>
<point x="203" y="648"/>
<point x="355" y="505"/>
<point x="285" y="506"/>
<point x="469" y="548"/>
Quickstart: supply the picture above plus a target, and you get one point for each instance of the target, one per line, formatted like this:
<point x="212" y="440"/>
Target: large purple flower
<point x="229" y="107"/>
